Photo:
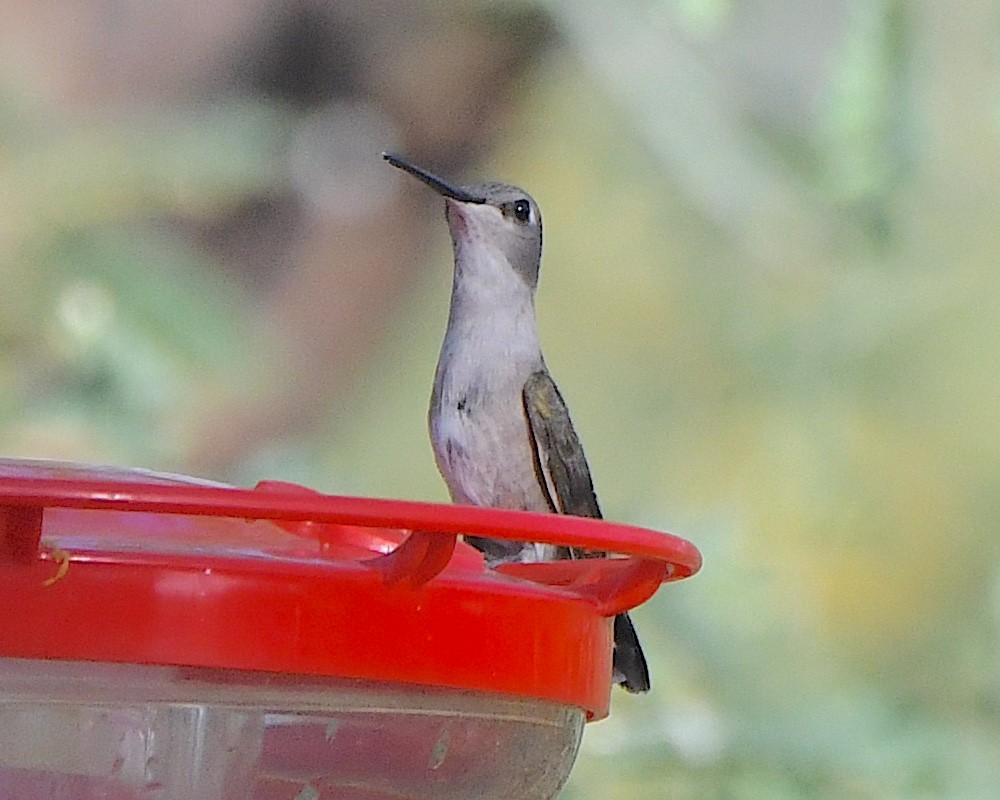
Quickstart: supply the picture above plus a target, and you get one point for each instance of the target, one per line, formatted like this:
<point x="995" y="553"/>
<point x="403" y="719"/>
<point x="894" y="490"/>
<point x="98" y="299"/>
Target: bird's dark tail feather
<point x="630" y="668"/>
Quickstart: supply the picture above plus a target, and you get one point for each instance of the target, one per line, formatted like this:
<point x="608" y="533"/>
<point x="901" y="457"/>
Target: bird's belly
<point x="485" y="458"/>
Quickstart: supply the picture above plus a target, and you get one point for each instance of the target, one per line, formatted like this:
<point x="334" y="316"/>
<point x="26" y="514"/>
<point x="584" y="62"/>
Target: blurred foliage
<point x="113" y="324"/>
<point x="799" y="373"/>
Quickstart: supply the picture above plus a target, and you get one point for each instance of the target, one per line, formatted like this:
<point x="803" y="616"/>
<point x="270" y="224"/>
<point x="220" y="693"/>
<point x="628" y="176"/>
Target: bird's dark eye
<point x="522" y="210"/>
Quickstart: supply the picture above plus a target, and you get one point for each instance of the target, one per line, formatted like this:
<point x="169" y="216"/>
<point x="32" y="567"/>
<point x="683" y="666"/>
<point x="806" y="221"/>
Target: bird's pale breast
<point x="477" y="422"/>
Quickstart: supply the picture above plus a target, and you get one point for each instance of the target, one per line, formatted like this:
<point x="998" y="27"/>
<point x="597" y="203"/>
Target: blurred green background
<point x="769" y="294"/>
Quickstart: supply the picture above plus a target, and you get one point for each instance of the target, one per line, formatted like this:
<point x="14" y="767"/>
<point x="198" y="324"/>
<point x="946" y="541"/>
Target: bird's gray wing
<point x="564" y="476"/>
<point x="560" y="465"/>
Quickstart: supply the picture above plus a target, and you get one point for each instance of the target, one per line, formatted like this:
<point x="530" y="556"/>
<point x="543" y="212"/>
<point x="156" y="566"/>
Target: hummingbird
<point x="500" y="430"/>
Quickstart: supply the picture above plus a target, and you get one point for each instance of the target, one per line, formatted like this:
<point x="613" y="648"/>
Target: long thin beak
<point x="432" y="180"/>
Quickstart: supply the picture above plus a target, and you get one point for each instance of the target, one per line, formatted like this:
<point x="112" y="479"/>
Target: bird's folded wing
<point x="560" y="464"/>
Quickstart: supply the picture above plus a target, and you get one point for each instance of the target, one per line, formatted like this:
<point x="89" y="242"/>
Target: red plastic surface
<point x="125" y="566"/>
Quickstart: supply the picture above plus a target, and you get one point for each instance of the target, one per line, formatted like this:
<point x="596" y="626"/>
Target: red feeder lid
<point x="128" y="566"/>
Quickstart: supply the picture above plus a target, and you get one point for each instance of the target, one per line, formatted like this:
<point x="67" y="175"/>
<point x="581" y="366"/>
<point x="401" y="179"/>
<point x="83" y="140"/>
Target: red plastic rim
<point x="118" y="565"/>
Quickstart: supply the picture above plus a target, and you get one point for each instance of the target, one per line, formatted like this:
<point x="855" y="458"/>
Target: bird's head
<point x="490" y="216"/>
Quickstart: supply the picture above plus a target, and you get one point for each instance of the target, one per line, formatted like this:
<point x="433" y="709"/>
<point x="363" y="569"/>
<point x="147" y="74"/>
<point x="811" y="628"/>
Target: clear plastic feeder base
<point x="83" y="731"/>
